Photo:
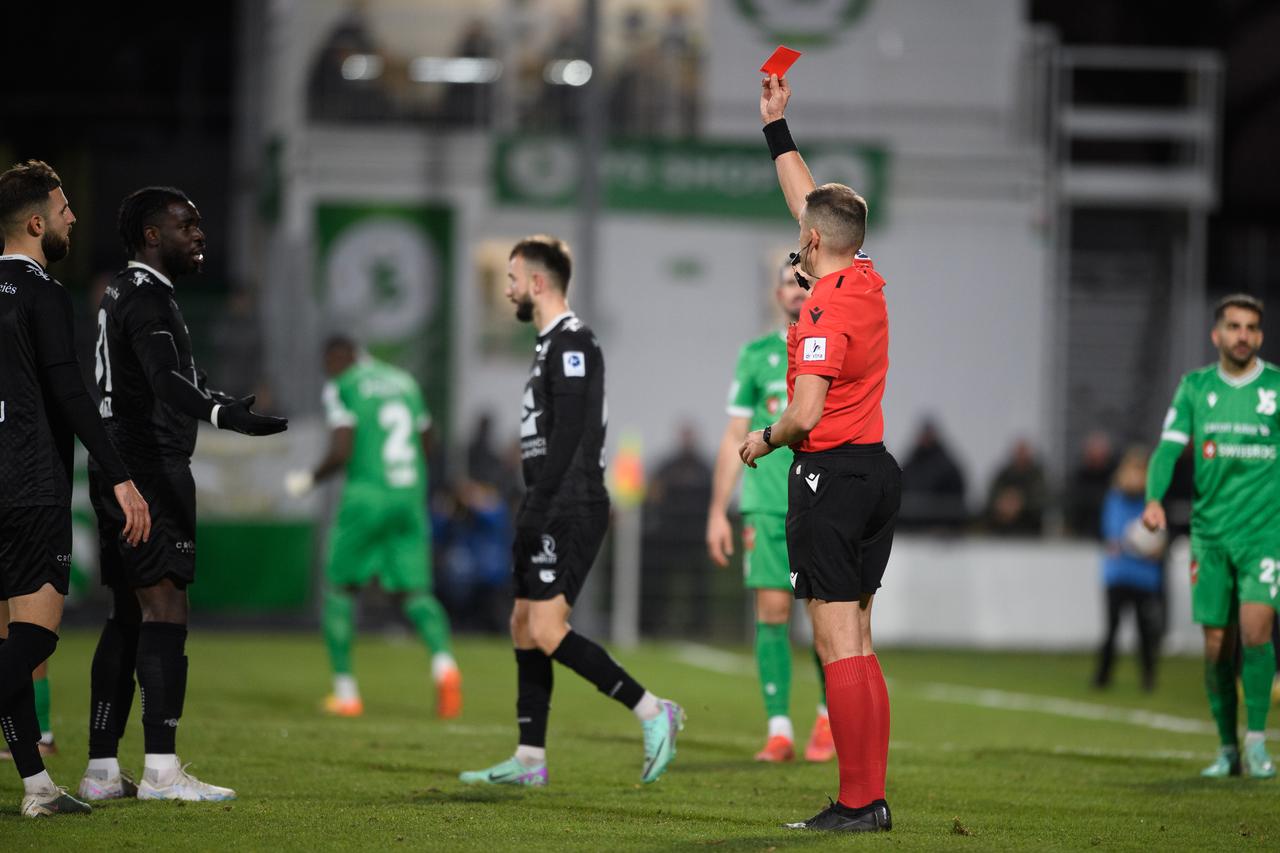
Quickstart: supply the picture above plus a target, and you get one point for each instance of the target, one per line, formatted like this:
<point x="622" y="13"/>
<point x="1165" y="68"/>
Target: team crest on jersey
<point x="1195" y="571"/>
<point x="773" y="359"/>
<point x="1209" y="450"/>
<point x="1266" y="401"/>
<point x="1213" y="399"/>
<point x="774" y="405"/>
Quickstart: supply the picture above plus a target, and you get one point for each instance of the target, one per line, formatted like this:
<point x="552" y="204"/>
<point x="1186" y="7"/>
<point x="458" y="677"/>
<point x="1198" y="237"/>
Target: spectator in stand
<point x="1132" y="569"/>
<point x="933" y="486"/>
<point x="1016" y="502"/>
<point x="1089" y="484"/>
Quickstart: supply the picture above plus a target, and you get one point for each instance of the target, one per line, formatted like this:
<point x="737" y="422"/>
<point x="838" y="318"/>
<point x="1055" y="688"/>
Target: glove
<point x="237" y="417"/>
<point x="298" y="483"/>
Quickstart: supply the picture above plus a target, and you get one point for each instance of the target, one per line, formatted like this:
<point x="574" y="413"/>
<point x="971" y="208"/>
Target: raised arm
<point x="793" y="174"/>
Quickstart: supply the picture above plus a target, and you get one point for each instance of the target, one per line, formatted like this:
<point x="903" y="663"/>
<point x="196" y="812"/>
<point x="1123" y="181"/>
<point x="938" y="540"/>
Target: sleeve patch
<point x="575" y="363"/>
<point x="815" y="349"/>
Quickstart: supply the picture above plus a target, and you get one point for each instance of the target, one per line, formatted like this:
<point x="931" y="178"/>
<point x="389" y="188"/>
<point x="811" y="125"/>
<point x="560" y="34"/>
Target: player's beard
<point x="1240" y="362"/>
<point x="55" y="246"/>
<point x="524" y="310"/>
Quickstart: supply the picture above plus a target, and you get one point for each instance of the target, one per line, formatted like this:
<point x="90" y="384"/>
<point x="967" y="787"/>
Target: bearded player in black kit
<point x="562" y="522"/>
<point x="43" y="401"/>
<point x="152" y="400"/>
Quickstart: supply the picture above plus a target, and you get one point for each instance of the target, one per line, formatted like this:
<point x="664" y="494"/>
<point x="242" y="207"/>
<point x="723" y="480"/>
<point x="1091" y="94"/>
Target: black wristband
<point x="779" y="138"/>
<point x="768" y="434"/>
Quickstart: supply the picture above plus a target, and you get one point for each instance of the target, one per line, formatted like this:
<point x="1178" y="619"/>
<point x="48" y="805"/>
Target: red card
<point x="781" y="60"/>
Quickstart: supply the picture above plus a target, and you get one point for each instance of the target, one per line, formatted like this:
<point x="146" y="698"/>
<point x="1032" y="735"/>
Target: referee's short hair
<point x="139" y="209"/>
<point x="1237" y="300"/>
<point x="839" y="214"/>
<point x="24" y="187"/>
<point x="550" y="253"/>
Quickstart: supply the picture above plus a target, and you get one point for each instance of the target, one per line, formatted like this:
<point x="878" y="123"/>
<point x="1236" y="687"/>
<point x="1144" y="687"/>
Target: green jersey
<point x="1234" y="430"/>
<point x="384" y="406"/>
<point x="759" y="392"/>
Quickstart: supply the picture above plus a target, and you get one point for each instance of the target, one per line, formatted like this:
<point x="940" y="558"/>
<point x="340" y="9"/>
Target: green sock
<point x="339" y="624"/>
<point x="773" y="661"/>
<point x="822" y="679"/>
<point x="1220" y="684"/>
<point x="41" y="686"/>
<point x="426" y="614"/>
<point x="1258" y="671"/>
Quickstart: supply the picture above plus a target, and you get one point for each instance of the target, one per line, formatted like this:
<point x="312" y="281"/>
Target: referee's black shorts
<point x="842" y="507"/>
<point x="35" y="549"/>
<point x="171" y="550"/>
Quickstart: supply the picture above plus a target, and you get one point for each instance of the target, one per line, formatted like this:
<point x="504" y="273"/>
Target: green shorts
<point x="1225" y="576"/>
<point x="764" y="552"/>
<point x="375" y="538"/>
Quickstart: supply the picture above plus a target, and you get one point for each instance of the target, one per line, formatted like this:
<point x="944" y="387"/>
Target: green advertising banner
<point x="383" y="276"/>
<point x="686" y="177"/>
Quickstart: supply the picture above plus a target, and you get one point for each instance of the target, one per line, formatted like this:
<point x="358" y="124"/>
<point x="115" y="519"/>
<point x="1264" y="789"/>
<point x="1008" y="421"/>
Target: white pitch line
<point x="1004" y="700"/>
<point x="732" y="663"/>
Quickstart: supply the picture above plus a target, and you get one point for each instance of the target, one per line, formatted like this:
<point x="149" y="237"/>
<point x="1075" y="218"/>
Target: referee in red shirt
<point x="845" y="488"/>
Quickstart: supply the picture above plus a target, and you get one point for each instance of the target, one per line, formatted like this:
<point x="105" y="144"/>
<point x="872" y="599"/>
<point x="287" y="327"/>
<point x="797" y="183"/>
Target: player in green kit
<point x="756" y="398"/>
<point x="379" y="435"/>
<point x="1228" y="412"/>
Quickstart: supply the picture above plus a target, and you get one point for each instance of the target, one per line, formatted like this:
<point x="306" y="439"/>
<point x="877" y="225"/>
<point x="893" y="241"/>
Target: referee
<point x="43" y="401"/>
<point x="844" y="488"/>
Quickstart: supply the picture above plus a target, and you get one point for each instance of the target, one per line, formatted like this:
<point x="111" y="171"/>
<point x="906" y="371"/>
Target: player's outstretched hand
<point x="137" y="515"/>
<point x="774" y="94"/>
<point x="753" y="448"/>
<point x="1153" y="516"/>
<point x="298" y="483"/>
<point x="719" y="539"/>
<point x="239" y="418"/>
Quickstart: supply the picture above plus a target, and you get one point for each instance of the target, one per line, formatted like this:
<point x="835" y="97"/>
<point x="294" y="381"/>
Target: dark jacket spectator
<point x="1016" y="502"/>
<point x="933" y="485"/>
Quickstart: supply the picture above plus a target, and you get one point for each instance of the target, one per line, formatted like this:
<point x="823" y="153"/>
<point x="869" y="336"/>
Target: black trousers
<point x="1148" y="609"/>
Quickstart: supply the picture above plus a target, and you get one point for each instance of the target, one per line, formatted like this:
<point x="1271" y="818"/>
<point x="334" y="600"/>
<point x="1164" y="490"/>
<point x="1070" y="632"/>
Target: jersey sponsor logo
<point x="1216" y="427"/>
<point x="815" y="349"/>
<point x="139" y="278"/>
<point x="6" y="287"/>
<point x="547" y="575"/>
<point x="1266" y="401"/>
<point x="529" y="415"/>
<point x="548" y="555"/>
<point x="575" y="363"/>
<point x="1263" y="452"/>
<point x="186" y="547"/>
<point x="815" y="314"/>
<point x="1212" y="398"/>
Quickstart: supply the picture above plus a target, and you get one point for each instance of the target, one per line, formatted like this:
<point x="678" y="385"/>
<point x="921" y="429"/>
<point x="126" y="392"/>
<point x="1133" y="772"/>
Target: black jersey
<point x="144" y="346"/>
<point x="43" y="399"/>
<point x="562" y="426"/>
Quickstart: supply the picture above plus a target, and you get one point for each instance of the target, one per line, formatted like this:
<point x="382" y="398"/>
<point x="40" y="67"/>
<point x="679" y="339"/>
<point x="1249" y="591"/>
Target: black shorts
<point x="842" y="507"/>
<point x="569" y="548"/>
<point x="171" y="550"/>
<point x="35" y="549"/>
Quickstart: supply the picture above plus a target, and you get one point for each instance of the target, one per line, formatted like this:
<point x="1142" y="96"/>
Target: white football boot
<point x="181" y="785"/>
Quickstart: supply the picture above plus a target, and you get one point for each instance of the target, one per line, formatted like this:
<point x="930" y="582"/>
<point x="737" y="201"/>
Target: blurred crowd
<point x="531" y="66"/>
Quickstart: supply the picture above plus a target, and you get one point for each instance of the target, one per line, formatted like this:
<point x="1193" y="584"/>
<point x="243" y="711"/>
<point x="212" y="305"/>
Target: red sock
<point x="853" y="728"/>
<point x="880" y="698"/>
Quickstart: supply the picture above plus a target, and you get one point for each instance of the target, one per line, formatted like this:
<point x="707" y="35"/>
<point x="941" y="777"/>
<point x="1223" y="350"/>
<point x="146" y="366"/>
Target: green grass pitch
<point x="990" y="752"/>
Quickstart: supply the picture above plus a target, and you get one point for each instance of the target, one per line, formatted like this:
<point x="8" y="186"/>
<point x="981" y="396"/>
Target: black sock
<point x="162" y="679"/>
<point x="595" y="665"/>
<point x="533" y="696"/>
<point x="27" y="646"/>
<point x="111" y="686"/>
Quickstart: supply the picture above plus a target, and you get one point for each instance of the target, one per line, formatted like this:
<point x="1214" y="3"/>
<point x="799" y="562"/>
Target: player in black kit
<point x="562" y="522"/>
<point x="43" y="401"/>
<point x="152" y="398"/>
